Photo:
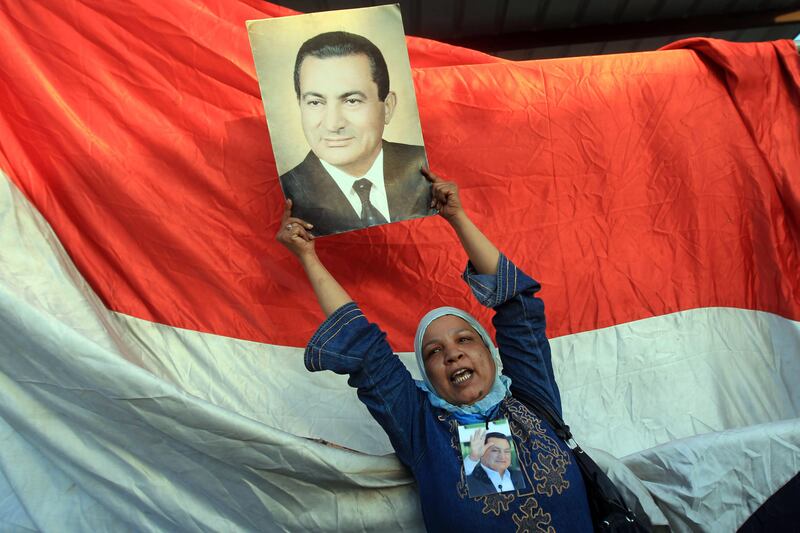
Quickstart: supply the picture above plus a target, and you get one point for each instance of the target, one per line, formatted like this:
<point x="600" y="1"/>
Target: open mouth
<point x="461" y="376"/>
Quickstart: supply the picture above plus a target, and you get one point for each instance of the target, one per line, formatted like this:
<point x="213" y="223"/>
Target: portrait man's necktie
<point x="369" y="213"/>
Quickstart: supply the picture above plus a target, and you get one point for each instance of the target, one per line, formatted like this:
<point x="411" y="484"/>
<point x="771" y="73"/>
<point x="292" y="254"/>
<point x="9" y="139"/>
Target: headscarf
<point x="486" y="405"/>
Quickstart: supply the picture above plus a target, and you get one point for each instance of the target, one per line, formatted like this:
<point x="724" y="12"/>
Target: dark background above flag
<point x="548" y="29"/>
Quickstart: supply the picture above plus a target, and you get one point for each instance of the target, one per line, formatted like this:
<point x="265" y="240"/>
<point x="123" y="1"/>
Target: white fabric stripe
<point x="13" y="516"/>
<point x="636" y="385"/>
<point x="624" y="388"/>
<point x="86" y="397"/>
<point x="715" y="481"/>
<point x="154" y="427"/>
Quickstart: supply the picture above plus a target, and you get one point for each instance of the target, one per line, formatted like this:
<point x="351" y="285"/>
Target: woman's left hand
<point x="444" y="194"/>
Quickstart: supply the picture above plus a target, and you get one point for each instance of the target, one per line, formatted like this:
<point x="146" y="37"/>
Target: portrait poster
<point x="342" y="117"/>
<point x="489" y="457"/>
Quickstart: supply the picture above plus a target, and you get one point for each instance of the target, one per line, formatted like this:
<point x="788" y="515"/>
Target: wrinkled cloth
<point x="207" y="411"/>
<point x="147" y="328"/>
<point x="715" y="481"/>
<point x="425" y="438"/>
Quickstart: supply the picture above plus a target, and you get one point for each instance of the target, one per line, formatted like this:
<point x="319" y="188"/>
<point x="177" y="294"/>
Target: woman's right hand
<point x="294" y="234"/>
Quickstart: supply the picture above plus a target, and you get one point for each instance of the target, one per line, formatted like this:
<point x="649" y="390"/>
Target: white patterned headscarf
<point x="501" y="384"/>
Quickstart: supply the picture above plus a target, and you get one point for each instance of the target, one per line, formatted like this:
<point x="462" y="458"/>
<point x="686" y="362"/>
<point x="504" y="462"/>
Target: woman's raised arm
<point x="481" y="252"/>
<point x="294" y="234"/>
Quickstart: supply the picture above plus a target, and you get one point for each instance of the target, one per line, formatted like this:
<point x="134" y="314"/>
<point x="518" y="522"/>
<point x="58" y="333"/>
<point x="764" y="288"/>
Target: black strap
<point x="543" y="410"/>
<point x="609" y="511"/>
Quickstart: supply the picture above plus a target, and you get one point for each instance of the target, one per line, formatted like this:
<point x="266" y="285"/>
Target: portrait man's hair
<point x="496" y="435"/>
<point x="342" y="44"/>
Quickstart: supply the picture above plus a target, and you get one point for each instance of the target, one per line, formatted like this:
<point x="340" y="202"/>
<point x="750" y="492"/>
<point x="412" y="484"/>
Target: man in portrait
<point x="351" y="178"/>
<point x="488" y="467"/>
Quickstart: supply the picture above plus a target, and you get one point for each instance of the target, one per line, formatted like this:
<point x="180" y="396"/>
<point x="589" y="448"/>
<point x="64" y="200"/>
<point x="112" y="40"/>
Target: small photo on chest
<point x="489" y="457"/>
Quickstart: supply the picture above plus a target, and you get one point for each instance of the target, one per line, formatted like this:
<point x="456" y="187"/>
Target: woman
<point x="463" y="384"/>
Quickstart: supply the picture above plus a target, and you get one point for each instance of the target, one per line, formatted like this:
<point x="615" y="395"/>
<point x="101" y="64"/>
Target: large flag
<point x="151" y="330"/>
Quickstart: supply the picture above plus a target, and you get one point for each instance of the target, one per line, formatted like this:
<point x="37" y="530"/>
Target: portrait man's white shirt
<point x="377" y="193"/>
<point x="501" y="484"/>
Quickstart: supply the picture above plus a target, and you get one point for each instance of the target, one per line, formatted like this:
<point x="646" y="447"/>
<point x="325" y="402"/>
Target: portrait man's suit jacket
<point x="318" y="200"/>
<point x="479" y="484"/>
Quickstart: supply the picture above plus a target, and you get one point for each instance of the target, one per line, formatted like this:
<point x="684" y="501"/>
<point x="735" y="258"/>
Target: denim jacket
<point x="425" y="438"/>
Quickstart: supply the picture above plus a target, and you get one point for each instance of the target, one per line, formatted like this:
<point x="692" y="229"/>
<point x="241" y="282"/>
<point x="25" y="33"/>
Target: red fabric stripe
<point x="630" y="185"/>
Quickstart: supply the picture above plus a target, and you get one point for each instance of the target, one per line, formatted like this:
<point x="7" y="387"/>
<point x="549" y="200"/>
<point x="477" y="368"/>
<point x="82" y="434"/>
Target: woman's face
<point x="458" y="363"/>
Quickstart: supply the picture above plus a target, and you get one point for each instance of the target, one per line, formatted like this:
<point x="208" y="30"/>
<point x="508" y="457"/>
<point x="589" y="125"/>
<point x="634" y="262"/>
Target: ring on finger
<point x="289" y="226"/>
